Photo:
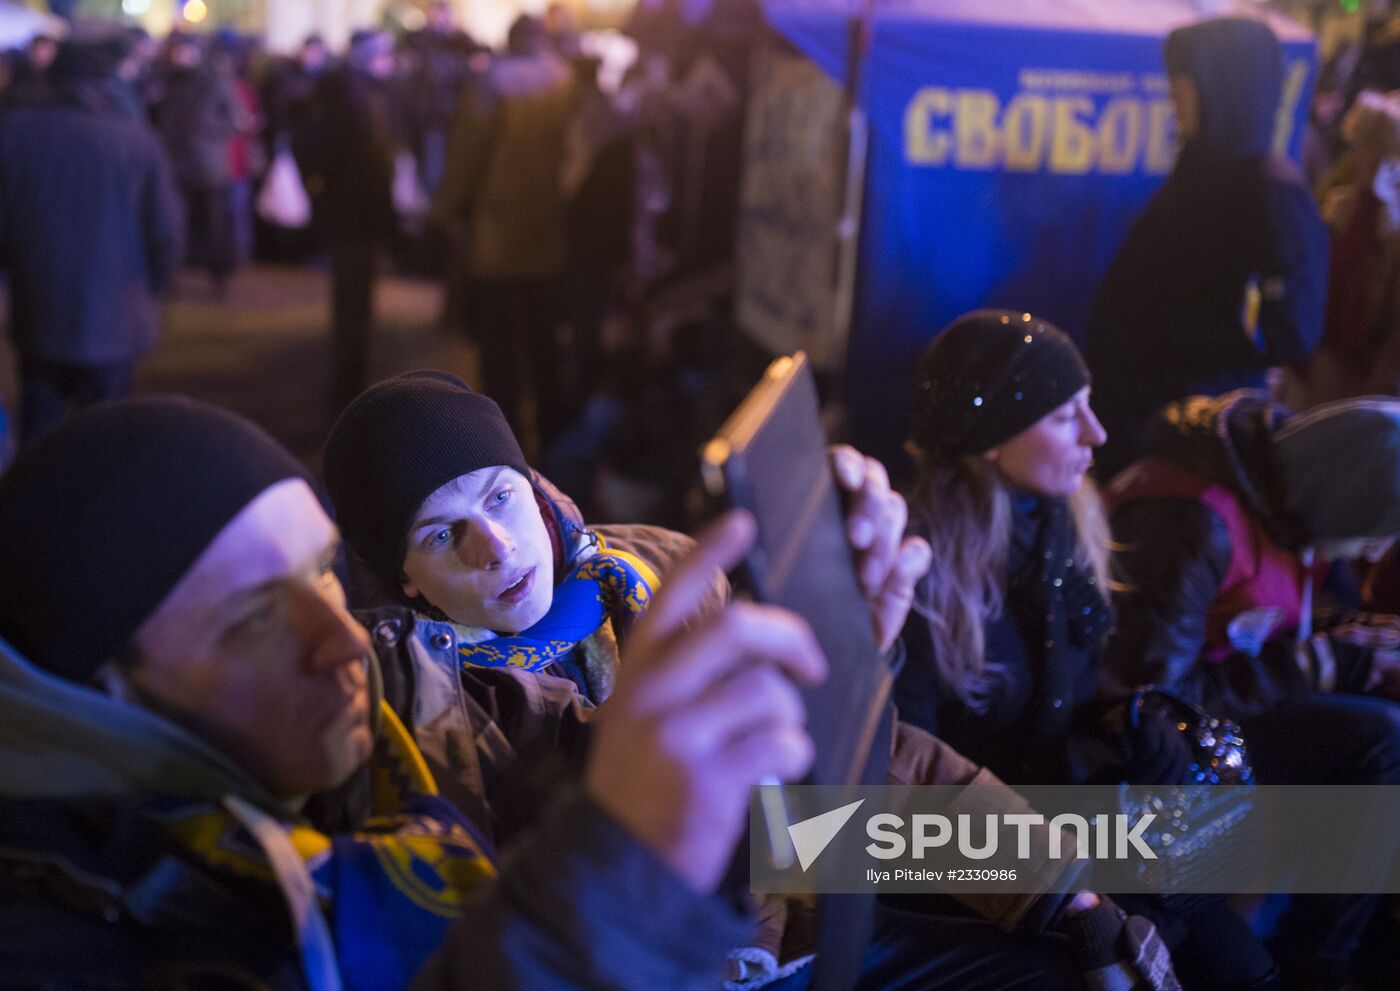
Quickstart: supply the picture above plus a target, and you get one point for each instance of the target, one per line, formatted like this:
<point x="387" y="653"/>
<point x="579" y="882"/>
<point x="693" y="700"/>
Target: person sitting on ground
<point x="1003" y="651"/>
<point x="1223" y="533"/>
<point x="156" y="757"/>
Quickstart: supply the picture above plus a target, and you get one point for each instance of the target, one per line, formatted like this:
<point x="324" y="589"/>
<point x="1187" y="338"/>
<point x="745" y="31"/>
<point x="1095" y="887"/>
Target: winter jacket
<point x="1042" y="655"/>
<point x="89" y="229"/>
<point x="198" y="117"/>
<point x="504" y="163"/>
<point x="1208" y="558"/>
<point x="1170" y="318"/>
<point x="93" y="893"/>
<point x="351" y="163"/>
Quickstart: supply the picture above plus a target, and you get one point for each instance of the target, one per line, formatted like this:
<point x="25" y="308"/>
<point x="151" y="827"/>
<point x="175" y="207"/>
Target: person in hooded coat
<point x="1225" y="273"/>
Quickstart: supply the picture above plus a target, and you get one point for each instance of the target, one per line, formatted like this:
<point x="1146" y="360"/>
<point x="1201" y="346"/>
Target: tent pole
<point x="848" y="226"/>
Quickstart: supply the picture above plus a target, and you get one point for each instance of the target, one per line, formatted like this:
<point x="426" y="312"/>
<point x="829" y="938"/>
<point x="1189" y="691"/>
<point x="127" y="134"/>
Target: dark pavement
<point x="264" y="348"/>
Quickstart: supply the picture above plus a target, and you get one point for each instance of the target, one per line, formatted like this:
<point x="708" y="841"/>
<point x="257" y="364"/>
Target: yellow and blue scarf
<point x="389" y="889"/>
<point x="610" y="585"/>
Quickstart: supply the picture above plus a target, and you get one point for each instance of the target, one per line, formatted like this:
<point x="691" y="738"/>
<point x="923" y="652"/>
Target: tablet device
<point x="771" y="458"/>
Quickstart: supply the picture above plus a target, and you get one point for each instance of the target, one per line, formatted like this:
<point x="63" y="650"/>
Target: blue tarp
<point x="1012" y="143"/>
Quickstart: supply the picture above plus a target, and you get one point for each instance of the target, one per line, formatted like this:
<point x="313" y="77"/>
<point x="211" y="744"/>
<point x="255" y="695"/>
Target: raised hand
<point x="703" y="709"/>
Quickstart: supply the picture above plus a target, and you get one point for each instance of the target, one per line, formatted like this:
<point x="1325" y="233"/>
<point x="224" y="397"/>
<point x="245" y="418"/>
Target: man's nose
<point x="488" y="545"/>
<point x="1091" y="431"/>
<point x="338" y="639"/>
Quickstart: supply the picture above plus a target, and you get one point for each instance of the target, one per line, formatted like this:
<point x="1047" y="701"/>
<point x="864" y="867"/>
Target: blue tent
<point x="1012" y="143"/>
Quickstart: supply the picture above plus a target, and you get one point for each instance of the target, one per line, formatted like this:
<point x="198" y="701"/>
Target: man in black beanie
<point x="433" y="494"/>
<point x="180" y="684"/>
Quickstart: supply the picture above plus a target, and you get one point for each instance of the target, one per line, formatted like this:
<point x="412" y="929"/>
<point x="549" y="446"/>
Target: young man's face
<point x="479" y="551"/>
<point x="255" y="652"/>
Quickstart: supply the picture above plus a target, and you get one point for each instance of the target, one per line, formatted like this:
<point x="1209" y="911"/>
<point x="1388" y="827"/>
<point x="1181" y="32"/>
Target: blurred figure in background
<point x="88" y="250"/>
<point x="442" y="64"/>
<point x="1225" y="272"/>
<point x="29" y="74"/>
<point x="1360" y="352"/>
<point x="354" y="160"/>
<point x="198" y="116"/>
<point x="289" y="95"/>
<point x="502" y="185"/>
<point x="247" y="157"/>
<point x="289" y="99"/>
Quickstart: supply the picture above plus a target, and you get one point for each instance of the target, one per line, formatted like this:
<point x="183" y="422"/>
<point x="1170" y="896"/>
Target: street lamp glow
<point x="195" y="11"/>
<point x="135" y="8"/>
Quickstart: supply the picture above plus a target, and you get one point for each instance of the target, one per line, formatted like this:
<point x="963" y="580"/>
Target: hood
<point x="1228" y="439"/>
<point x="60" y="739"/>
<point x="1339" y="465"/>
<point x="1237" y="66"/>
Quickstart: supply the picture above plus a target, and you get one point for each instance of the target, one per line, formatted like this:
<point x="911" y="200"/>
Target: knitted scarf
<point x="389" y="890"/>
<point x="609" y="585"/>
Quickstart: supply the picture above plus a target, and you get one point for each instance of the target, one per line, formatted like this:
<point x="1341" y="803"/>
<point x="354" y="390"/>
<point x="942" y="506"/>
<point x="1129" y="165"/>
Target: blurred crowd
<point x="561" y="166"/>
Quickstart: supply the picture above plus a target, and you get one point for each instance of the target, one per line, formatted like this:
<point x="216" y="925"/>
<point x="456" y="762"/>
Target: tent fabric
<point x="1149" y="17"/>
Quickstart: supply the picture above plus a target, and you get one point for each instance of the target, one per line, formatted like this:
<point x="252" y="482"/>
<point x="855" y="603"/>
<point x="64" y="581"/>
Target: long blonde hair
<point x="963" y="507"/>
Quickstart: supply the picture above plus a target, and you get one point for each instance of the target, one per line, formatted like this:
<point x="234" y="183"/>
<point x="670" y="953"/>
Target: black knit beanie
<point x="102" y="516"/>
<point x="988" y="376"/>
<point x="398" y="443"/>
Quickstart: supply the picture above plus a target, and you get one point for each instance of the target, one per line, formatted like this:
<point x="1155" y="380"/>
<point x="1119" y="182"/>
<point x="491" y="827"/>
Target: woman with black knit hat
<point x="1003" y="645"/>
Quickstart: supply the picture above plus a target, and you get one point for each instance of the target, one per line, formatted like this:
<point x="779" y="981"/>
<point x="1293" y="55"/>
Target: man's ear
<point x="992" y="455"/>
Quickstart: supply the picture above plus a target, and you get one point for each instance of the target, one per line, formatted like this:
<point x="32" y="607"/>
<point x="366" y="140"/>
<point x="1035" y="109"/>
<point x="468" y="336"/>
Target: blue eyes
<point x="444" y="536"/>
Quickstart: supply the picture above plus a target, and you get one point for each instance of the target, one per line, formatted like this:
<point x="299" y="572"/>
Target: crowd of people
<point x="415" y="720"/>
<point x="518" y="177"/>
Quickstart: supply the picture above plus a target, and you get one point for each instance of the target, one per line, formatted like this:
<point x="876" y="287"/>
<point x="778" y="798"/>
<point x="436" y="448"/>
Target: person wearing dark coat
<point x="353" y="165"/>
<point x="1003" y="648"/>
<point x="1006" y="647"/>
<point x="89" y="236"/>
<point x="155" y="758"/>
<point x="1225" y="273"/>
<point x="1222" y="533"/>
<point x="198" y="116"/>
<point x="443" y="58"/>
<point x="502" y="191"/>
